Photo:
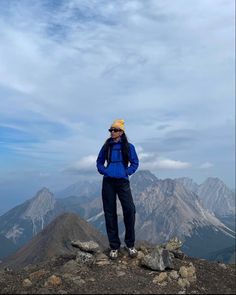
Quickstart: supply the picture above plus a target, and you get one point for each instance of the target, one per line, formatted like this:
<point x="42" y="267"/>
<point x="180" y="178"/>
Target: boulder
<point x="158" y="259"/>
<point x="174" y="244"/>
<point x="90" y="246"/>
<point x="84" y="258"/>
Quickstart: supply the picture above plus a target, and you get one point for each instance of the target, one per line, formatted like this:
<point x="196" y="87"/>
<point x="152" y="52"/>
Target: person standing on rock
<point x="121" y="162"/>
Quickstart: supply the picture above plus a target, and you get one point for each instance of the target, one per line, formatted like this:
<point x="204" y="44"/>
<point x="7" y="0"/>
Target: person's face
<point x="115" y="133"/>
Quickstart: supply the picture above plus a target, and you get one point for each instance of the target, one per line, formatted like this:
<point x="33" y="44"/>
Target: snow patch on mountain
<point x="15" y="232"/>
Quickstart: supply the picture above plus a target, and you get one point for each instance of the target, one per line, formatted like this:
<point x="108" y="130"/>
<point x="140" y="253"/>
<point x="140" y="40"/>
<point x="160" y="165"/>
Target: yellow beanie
<point x="119" y="123"/>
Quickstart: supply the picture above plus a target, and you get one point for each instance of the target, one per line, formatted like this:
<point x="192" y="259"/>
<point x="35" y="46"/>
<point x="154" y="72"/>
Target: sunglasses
<point x="114" y="129"/>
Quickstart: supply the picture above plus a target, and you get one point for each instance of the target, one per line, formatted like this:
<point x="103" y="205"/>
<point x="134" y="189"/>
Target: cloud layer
<point x="69" y="68"/>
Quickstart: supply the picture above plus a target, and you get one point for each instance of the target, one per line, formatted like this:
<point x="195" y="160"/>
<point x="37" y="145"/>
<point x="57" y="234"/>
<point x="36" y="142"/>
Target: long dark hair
<point x="124" y="149"/>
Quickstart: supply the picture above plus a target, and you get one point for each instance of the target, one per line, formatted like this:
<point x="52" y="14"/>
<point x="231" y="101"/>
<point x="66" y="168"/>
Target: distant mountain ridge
<point x="165" y="208"/>
<point x="214" y="194"/>
<point x="85" y="190"/>
<point x="23" y="222"/>
<point x="179" y="206"/>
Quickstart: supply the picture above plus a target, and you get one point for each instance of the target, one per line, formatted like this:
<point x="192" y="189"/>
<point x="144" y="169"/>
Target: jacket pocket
<point x="109" y="170"/>
<point x="105" y="172"/>
<point x="121" y="171"/>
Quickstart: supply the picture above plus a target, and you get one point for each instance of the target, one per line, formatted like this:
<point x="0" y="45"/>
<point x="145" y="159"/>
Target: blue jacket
<point x="116" y="168"/>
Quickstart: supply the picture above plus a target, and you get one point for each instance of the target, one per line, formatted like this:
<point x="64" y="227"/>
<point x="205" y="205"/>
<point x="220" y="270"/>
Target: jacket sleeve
<point x="100" y="161"/>
<point x="134" y="161"/>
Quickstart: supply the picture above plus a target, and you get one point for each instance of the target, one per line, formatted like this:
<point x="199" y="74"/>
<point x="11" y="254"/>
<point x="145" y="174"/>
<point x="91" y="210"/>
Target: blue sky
<point x="69" y="68"/>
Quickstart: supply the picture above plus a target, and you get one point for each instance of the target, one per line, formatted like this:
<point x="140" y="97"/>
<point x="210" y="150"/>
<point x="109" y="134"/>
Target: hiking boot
<point x="113" y="254"/>
<point x="132" y="252"/>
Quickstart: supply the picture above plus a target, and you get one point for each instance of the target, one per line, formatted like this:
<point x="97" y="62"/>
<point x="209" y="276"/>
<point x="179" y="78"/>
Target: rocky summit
<point x="157" y="269"/>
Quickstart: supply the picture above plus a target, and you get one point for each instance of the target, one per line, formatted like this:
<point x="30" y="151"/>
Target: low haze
<point x="69" y="68"/>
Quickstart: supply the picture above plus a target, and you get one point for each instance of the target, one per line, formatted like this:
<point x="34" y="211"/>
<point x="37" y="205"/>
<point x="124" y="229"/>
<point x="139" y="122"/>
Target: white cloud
<point x="206" y="165"/>
<point x="59" y="75"/>
<point x="152" y="161"/>
<point x="145" y="156"/>
<point x="88" y="161"/>
<point x="162" y="163"/>
<point x="85" y="164"/>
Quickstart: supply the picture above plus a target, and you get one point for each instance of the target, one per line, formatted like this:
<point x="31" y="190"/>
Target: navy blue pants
<point x="111" y="187"/>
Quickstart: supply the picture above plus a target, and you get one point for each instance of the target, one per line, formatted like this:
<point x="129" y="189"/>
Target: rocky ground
<point x="92" y="272"/>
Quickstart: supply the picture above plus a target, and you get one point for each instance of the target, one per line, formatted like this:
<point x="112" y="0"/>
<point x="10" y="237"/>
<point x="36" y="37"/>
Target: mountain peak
<point x="217" y="197"/>
<point x="145" y="176"/>
<point x="43" y="190"/>
<point x="189" y="183"/>
<point x="145" y="173"/>
<point x="55" y="239"/>
<point x="40" y="205"/>
<point x="214" y="181"/>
